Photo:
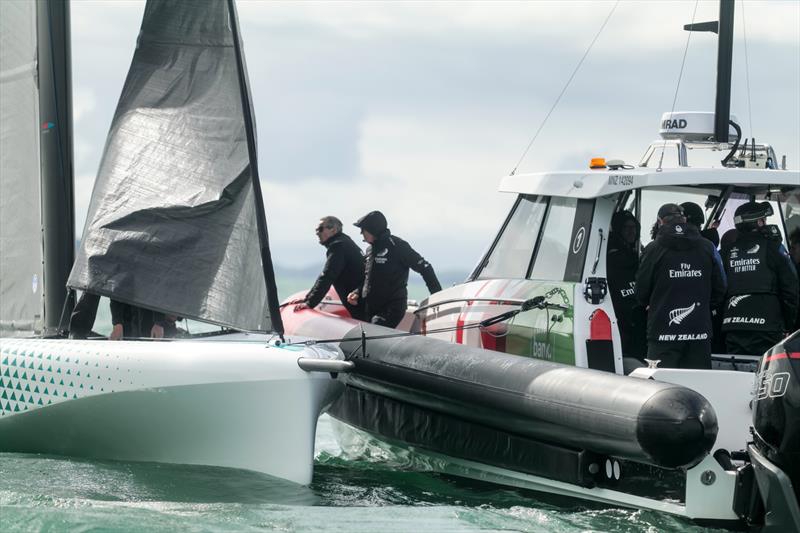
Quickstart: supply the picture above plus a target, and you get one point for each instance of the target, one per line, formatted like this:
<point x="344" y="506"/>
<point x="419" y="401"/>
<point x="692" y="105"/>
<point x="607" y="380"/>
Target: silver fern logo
<point x="676" y="316"/>
<point x="733" y="302"/>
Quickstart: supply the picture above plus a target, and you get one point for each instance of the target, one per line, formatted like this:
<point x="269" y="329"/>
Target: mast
<point x="722" y="109"/>
<point x="724" y="30"/>
<point x="55" y="111"/>
<point x="261" y="221"/>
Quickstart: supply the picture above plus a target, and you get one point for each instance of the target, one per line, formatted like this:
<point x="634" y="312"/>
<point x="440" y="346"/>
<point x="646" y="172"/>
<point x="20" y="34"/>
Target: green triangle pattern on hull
<point x="20" y="376"/>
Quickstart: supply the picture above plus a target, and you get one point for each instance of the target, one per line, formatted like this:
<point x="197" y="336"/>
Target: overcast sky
<point x="419" y="108"/>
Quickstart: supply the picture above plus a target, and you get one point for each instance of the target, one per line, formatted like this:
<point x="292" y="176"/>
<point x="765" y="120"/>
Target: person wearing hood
<point x="762" y="299"/>
<point x="680" y="280"/>
<point x="384" y="291"/>
<point x="622" y="261"/>
<point x="344" y="267"/>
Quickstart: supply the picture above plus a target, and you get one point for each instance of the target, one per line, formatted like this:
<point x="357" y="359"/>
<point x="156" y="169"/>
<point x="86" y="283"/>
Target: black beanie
<point x="694" y="214"/>
<point x="373" y="222"/>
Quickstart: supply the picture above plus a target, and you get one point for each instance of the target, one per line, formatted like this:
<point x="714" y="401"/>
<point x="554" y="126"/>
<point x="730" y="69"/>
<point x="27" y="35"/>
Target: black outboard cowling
<point x="775" y="451"/>
<point x="776" y="407"/>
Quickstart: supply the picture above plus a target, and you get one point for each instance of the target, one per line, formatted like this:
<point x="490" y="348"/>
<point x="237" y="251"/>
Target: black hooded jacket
<point x="386" y="274"/>
<point x="681" y="279"/>
<point x="344" y="269"/>
<point x="762" y="283"/>
<point x="622" y="262"/>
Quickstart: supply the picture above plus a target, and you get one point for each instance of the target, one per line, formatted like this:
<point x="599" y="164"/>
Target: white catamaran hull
<point x="242" y="404"/>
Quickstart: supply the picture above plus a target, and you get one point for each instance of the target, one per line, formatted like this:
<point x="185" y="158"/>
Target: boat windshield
<point x="511" y="253"/>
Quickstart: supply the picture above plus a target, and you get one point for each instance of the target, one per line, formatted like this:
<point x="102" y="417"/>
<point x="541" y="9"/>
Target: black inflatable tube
<point x="641" y="420"/>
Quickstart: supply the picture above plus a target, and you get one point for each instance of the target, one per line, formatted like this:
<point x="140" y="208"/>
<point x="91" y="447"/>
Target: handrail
<point x="505" y="301"/>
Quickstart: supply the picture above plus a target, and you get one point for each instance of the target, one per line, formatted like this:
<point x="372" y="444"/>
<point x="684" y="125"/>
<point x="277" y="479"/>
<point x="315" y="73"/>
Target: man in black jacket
<point x="130" y="321"/>
<point x="385" y="288"/>
<point x="344" y="267"/>
<point x="622" y="261"/>
<point x="680" y="279"/>
<point x="694" y="215"/>
<point x="794" y="252"/>
<point x="761" y="302"/>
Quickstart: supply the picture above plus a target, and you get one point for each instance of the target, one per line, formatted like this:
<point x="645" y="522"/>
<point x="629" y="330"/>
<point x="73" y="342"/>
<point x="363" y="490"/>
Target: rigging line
<point x="747" y="72"/>
<point x="566" y="85"/>
<point x="678" y="86"/>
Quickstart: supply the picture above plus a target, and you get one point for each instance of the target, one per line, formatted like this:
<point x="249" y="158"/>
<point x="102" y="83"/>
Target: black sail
<point x="172" y="224"/>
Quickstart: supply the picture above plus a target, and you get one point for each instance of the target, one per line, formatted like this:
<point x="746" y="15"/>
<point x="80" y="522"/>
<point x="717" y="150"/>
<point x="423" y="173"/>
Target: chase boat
<point x="517" y="375"/>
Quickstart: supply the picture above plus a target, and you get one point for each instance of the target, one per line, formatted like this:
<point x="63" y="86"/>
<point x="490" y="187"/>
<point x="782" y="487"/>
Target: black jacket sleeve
<point x="418" y="264"/>
<point x="334" y="264"/>
<point x="644" y="274"/>
<point x="787" y="285"/>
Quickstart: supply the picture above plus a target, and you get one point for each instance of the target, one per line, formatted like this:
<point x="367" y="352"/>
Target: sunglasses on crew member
<point x="321" y="228"/>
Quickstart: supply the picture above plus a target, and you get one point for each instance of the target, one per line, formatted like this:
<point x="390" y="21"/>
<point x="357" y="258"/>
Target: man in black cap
<point x="680" y="280"/>
<point x="384" y="291"/>
<point x="762" y="298"/>
<point x="344" y="267"/>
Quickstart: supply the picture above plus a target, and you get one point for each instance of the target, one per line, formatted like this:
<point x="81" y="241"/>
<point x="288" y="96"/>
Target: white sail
<point x="21" y="271"/>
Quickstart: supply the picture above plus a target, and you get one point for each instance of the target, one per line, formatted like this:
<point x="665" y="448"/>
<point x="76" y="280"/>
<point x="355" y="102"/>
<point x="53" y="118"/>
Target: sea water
<point x="376" y="492"/>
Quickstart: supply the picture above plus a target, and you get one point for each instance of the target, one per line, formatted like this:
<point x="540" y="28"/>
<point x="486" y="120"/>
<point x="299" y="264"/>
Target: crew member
<point x="695" y="216"/>
<point x="384" y="291"/>
<point x="344" y="267"/>
<point x="133" y="322"/>
<point x="761" y="302"/>
<point x="622" y="261"/>
<point x="794" y="251"/>
<point x="127" y="320"/>
<point x="680" y="280"/>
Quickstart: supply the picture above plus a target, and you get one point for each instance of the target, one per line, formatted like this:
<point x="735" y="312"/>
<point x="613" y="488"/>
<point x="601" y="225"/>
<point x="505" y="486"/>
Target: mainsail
<point x="36" y="219"/>
<point x="21" y="301"/>
<point x="173" y="220"/>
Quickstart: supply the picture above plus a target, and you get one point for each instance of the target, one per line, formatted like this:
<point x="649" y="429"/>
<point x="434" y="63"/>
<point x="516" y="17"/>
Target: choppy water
<point x="376" y="492"/>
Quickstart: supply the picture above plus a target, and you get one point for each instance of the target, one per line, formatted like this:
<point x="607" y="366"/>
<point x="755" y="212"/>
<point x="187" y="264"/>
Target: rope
<point x="747" y="73"/>
<point x="566" y="85"/>
<point x="678" y="86"/>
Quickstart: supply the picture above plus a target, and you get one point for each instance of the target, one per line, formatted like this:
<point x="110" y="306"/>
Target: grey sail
<point x="21" y="271"/>
<point x="172" y="223"/>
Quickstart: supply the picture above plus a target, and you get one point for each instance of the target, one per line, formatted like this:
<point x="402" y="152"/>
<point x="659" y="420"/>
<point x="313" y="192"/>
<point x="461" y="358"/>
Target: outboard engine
<point x="775" y="452"/>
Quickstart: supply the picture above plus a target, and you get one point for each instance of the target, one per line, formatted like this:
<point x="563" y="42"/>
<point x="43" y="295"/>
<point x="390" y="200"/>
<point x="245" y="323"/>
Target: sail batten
<point x="172" y="221"/>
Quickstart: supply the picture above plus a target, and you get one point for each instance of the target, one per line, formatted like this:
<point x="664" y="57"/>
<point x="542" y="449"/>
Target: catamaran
<point x="177" y="225"/>
<point x="517" y="375"/>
